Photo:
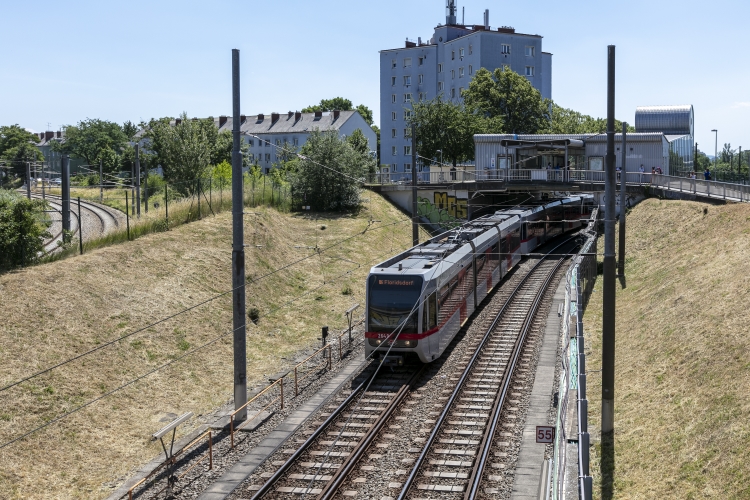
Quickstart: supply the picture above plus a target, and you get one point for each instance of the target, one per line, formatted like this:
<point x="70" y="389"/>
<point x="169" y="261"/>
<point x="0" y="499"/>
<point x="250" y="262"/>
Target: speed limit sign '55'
<point x="545" y="434"/>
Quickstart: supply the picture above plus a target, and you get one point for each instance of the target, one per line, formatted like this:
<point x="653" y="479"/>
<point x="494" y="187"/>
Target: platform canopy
<point x="547" y="143"/>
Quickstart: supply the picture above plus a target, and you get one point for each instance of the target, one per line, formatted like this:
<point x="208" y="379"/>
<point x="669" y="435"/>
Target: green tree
<point x="568" y="121"/>
<point x="340" y="104"/>
<point x="509" y="96"/>
<point x="18" y="146"/>
<point x="92" y="140"/>
<point x="222" y="174"/>
<point x="183" y="150"/>
<point x="448" y="126"/>
<point x="130" y="129"/>
<point x="329" y="173"/>
<point x="23" y="229"/>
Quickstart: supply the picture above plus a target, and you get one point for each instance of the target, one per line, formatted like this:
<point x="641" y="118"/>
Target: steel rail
<point x="489" y="432"/>
<point x="459" y="385"/>
<point x="331" y="488"/>
<point x="313" y="437"/>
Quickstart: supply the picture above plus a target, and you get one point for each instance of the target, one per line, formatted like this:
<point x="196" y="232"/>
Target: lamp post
<point x="716" y="147"/>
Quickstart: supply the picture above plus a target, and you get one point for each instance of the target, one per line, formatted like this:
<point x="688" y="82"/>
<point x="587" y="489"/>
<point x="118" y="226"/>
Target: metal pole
<point x="44" y="197"/>
<point x="127" y="214"/>
<point x="238" y="249"/>
<point x="65" y="172"/>
<point x="145" y="191"/>
<point x="608" y="310"/>
<point x="80" y="227"/>
<point x="137" y="181"/>
<point x="414" y="209"/>
<point x="166" y="203"/>
<point x="623" y="200"/>
<point x="28" y="180"/>
<point x="101" y="183"/>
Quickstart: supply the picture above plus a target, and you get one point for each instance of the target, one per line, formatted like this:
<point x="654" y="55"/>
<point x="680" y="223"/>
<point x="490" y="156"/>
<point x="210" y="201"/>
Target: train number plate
<point x="545" y="434"/>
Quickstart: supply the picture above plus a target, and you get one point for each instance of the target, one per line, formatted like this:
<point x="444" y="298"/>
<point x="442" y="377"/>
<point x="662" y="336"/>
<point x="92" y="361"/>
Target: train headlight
<point x="407" y="343"/>
<point x="378" y="342"/>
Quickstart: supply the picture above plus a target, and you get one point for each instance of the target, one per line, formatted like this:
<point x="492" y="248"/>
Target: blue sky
<point x="66" y="61"/>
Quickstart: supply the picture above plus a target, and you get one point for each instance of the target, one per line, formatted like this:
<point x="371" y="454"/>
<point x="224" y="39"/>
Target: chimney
<point x="242" y="119"/>
<point x="487" y="19"/>
<point x="289" y="115"/>
<point x="48" y="135"/>
<point x="59" y="134"/>
<point x="261" y="117"/>
<point x="177" y="121"/>
<point x="318" y="115"/>
<point x="222" y="120"/>
<point x="41" y="136"/>
<point x="336" y="114"/>
<point x="297" y="116"/>
<point x="274" y="118"/>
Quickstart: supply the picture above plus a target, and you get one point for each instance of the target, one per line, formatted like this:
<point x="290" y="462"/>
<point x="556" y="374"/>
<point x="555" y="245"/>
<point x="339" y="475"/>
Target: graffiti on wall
<point x="444" y="209"/>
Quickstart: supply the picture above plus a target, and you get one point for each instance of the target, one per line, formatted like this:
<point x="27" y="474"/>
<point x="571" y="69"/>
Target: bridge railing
<point x="513" y="176"/>
<point x="712" y="189"/>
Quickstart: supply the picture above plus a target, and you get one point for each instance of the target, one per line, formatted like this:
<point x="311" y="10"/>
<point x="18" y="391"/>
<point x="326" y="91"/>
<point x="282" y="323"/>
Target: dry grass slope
<point x="682" y="394"/>
<point x="54" y="311"/>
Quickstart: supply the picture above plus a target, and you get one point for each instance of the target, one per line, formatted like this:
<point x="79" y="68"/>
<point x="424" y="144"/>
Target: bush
<point x="23" y="229"/>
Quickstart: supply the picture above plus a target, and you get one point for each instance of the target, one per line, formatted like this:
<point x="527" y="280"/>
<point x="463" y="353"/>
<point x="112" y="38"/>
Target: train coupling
<point x="393" y="361"/>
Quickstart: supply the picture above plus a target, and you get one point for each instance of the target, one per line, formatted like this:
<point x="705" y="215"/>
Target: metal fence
<point x="712" y="189"/>
<point x="520" y="176"/>
<point x="579" y="285"/>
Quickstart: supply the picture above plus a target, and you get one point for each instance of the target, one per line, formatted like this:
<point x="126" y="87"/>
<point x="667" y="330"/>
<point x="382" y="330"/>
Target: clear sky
<point x="66" y="61"/>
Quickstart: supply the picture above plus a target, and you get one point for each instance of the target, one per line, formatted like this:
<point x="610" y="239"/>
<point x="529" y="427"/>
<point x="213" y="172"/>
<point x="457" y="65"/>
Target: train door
<point x="429" y="326"/>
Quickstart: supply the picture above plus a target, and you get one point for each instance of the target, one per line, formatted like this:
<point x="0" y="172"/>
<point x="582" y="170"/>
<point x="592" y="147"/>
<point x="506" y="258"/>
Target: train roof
<point x="451" y="246"/>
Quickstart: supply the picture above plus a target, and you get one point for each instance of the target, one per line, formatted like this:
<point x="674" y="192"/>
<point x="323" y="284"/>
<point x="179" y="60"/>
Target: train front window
<point x="393" y="302"/>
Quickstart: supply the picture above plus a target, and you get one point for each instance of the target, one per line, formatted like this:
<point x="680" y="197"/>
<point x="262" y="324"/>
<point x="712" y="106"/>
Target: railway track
<point x="97" y="221"/>
<point x="464" y="447"/>
<point x="323" y="461"/>
<point x="457" y="456"/>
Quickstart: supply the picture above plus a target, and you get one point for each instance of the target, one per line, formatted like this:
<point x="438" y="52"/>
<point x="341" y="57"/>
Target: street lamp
<point x="716" y="147"/>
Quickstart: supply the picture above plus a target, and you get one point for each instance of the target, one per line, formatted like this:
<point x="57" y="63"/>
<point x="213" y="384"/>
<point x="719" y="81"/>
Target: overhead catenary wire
<point x="188" y="309"/>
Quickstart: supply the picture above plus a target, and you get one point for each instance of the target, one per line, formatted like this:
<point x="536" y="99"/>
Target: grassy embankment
<point x="57" y="310"/>
<point x="682" y="394"/>
<point x="176" y="211"/>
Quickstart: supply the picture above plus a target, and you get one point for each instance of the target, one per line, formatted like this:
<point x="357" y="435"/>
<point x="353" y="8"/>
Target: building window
<point x="453" y="74"/>
<point x="407" y="80"/>
<point x="471" y="69"/>
<point x="268" y="157"/>
<point x="505" y="48"/>
<point x="393" y="116"/>
<point x="278" y="142"/>
<point x="461" y="53"/>
<point x="393" y="64"/>
<point x="529" y="70"/>
<point x="393" y="81"/>
<point x="422" y="96"/>
<point x="460" y="72"/>
<point x="296" y="141"/>
<point x="471" y="50"/>
<point x="407" y="62"/>
<point x="421" y="61"/>
<point x="393" y="133"/>
<point x="421" y="79"/>
<point x="394" y="167"/>
<point x="407" y="150"/>
<point x="440" y="68"/>
<point x="250" y="142"/>
<point x="394" y="150"/>
<point x="441" y="86"/>
<point x="407" y="167"/>
<point x="407" y="97"/>
<point x="407" y="114"/>
<point x="530" y="51"/>
<point x="453" y="93"/>
<point x="453" y="54"/>
<point x="393" y="98"/>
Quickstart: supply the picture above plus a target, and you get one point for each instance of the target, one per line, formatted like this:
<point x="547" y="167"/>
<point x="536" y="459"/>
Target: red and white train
<point x="417" y="301"/>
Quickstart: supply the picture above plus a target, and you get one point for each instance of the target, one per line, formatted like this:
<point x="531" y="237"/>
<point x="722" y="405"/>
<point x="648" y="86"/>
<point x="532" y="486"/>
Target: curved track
<point x="97" y="220"/>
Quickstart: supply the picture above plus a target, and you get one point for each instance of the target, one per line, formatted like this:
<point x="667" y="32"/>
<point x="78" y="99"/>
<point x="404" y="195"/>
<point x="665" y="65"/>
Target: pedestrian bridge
<point x="572" y="181"/>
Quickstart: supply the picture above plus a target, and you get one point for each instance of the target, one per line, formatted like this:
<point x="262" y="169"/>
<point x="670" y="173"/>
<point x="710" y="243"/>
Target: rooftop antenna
<point x="463" y="16"/>
<point x="450" y="16"/>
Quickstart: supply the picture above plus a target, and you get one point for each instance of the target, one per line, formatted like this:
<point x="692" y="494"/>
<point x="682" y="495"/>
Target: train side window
<point x="432" y="302"/>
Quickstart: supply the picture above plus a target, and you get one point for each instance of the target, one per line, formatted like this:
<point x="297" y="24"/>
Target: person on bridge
<point x="707" y="174"/>
<point x="641" y="170"/>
